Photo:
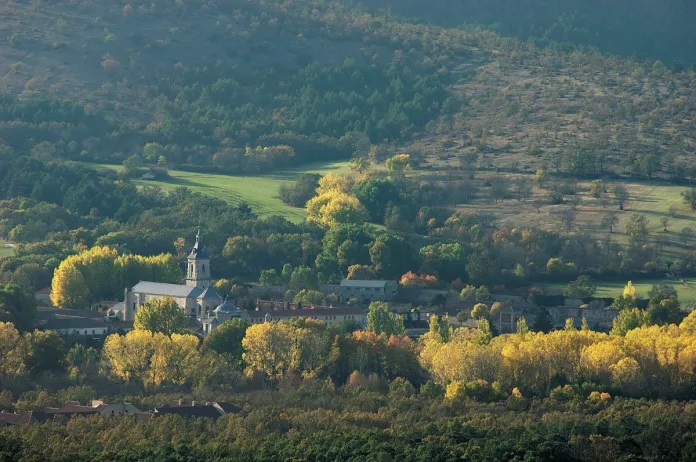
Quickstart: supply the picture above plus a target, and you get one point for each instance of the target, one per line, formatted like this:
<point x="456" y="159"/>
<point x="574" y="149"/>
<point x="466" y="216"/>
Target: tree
<point x="153" y="151"/>
<point x="132" y="165"/>
<point x="381" y="320"/>
<point x="629" y="319"/>
<point x="226" y="340"/>
<point x="376" y="194"/>
<point x="582" y="287"/>
<point x="361" y="272"/>
<point x="391" y="255"/>
<point x="480" y="310"/>
<point x="397" y="166"/>
<point x="664" y="221"/>
<point x="268" y="349"/>
<point x="303" y="277"/>
<point x="68" y="288"/>
<point x="333" y="208"/>
<point x="11" y="352"/>
<point x="309" y="297"/>
<point x="163" y="316"/>
<point x="621" y="195"/>
<point x="686" y="234"/>
<point x="543" y="321"/>
<point x="596" y="188"/>
<point x="609" y="221"/>
<point x="45" y="351"/>
<point x="689" y="197"/>
<point x="17" y="306"/>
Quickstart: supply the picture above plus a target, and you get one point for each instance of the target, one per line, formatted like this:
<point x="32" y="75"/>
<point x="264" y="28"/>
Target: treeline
<point x="648" y="29"/>
<point x="101" y="273"/>
<point x="309" y="421"/>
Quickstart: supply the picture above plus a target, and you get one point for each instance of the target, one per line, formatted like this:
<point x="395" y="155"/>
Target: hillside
<point x="647" y="28"/>
<point x="97" y="81"/>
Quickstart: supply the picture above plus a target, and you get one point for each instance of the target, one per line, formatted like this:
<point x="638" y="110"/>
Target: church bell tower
<point x="198" y="269"/>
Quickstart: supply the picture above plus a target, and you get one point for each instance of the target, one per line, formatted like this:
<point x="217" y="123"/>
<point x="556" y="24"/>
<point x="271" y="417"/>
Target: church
<point x="196" y="297"/>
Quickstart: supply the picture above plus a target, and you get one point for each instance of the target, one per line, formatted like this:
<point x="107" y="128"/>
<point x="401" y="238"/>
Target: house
<point x="331" y="316"/>
<point x="97" y="407"/>
<point x="600" y="319"/>
<point x="366" y="291"/>
<point x="73" y="322"/>
<point x="194" y="409"/>
<point x="196" y="297"/>
<point x="8" y="419"/>
<point x="508" y="316"/>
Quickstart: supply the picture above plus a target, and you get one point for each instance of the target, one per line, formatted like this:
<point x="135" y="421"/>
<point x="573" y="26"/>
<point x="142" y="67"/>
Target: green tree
<point x="381" y="320"/>
<point x="689" y="197"/>
<point x="480" y="310"/>
<point x="582" y="287"/>
<point x="309" y="297"/>
<point x="543" y="321"/>
<point x="45" y="351"/>
<point x="226" y="340"/>
<point x="621" y="195"/>
<point x="303" y="277"/>
<point x="160" y="316"/>
<point x="629" y="319"/>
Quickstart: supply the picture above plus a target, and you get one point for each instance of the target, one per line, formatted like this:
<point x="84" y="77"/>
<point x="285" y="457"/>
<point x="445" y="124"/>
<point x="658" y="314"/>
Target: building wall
<point x="83" y="331"/>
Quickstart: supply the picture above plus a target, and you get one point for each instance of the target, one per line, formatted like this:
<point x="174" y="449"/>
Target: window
<point x="94" y="331"/>
<point x="203" y="269"/>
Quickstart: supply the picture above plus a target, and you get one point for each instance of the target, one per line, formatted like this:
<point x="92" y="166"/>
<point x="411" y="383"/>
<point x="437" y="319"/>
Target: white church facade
<point x="197" y="298"/>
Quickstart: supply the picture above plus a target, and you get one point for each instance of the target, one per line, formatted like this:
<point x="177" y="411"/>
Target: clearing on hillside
<point x="261" y="191"/>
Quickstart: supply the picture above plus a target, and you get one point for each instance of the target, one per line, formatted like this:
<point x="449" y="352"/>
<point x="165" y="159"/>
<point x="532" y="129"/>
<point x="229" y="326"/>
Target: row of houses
<point x="182" y="408"/>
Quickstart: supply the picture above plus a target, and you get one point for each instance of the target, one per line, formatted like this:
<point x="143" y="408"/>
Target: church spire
<point x="198" y="251"/>
<point x="198" y="271"/>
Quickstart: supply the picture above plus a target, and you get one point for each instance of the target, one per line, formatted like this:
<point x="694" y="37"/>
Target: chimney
<point x="193" y="403"/>
<point x="181" y="401"/>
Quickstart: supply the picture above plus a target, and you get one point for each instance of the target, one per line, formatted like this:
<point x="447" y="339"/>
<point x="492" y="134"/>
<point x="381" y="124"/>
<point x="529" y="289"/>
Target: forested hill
<point x="645" y="28"/>
<point x="249" y="86"/>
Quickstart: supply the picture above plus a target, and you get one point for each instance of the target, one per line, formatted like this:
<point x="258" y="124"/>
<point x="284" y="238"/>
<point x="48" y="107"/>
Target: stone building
<point x="196" y="297"/>
<point x="365" y="291"/>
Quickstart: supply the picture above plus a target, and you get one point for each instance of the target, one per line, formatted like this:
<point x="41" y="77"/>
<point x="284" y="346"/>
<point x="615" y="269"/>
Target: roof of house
<point x="364" y="283"/>
<point x="190" y="410"/>
<point x="227" y="408"/>
<point x="7" y="418"/>
<point x="161" y="288"/>
<point x="308" y="312"/>
<point x="73" y="408"/>
<point x="73" y="323"/>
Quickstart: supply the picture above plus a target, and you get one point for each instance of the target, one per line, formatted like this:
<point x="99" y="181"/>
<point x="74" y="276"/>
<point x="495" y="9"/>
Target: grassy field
<point x="686" y="290"/>
<point x="260" y="191"/>
<point x="5" y="251"/>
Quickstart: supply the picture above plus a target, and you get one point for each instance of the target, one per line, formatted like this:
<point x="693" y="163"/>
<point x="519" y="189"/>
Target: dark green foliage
<point x="303" y="189"/>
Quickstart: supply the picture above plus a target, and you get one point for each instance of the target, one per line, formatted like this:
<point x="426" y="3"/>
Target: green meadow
<point x="686" y="289"/>
<point x="5" y="251"/>
<point x="260" y="191"/>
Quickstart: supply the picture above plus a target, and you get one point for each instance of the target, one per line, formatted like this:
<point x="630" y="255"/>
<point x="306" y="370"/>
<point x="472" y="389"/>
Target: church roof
<point x="198" y="251"/>
<point x="161" y="288"/>
<point x="226" y="307"/>
<point x="209" y="293"/>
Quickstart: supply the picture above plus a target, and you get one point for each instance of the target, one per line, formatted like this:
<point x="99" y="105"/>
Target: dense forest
<point x="646" y="29"/>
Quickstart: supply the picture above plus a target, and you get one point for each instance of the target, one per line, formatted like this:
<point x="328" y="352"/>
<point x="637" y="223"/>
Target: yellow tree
<point x="268" y="349"/>
<point x="11" y="354"/>
<point x="130" y="357"/>
<point x="397" y="166"/>
<point x="181" y="358"/>
<point x="629" y="292"/>
<point x="335" y="208"/>
<point x="68" y="288"/>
